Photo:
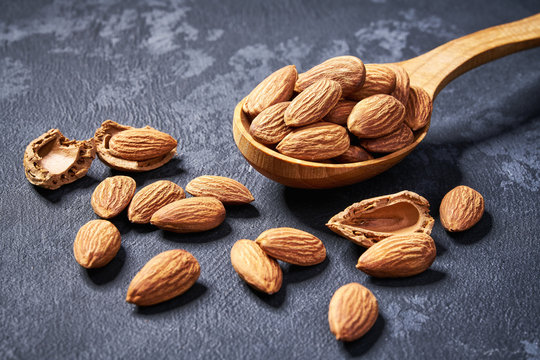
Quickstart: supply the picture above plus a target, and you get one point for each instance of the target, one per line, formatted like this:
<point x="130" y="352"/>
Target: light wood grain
<point x="432" y="71"/>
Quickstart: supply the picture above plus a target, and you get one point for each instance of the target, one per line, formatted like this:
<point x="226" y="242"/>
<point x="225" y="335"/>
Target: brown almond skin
<point x="319" y="141"/>
<point x="398" y="256"/>
<point x="277" y="87"/>
<point x="190" y="215"/>
<point x="376" y="116"/>
<point x="340" y="112"/>
<point x="151" y="198"/>
<point x="293" y="246"/>
<point x="380" y="79"/>
<point x="419" y="108"/>
<point x="141" y="144"/>
<point x="352" y="312"/>
<point x="165" y="276"/>
<point x="348" y="71"/>
<point x="226" y="190"/>
<point x="269" y="126"/>
<point x="96" y="244"/>
<point x="401" y="92"/>
<point x="312" y="104"/>
<point x="353" y="154"/>
<point x="112" y="196"/>
<point x="255" y="267"/>
<point x="461" y="209"/>
<point x="394" y="141"/>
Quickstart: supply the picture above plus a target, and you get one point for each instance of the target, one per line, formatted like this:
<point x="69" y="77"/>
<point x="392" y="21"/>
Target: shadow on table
<point x="110" y="271"/>
<point x="55" y="196"/>
<point x="476" y="233"/>
<point x="427" y="277"/>
<point x="199" y="237"/>
<point x="172" y="168"/>
<point x="366" y="342"/>
<point x="195" y="292"/>
<point x="246" y="211"/>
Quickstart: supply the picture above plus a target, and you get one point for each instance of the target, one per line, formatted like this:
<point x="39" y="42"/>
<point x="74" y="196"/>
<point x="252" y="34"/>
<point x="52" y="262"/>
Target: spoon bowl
<point x="432" y="71"/>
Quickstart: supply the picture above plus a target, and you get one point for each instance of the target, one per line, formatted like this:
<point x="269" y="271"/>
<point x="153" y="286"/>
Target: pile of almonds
<point x="163" y="204"/>
<point x="339" y="111"/>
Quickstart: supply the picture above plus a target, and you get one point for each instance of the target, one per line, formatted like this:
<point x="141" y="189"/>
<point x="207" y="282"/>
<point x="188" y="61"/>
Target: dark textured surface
<point x="182" y="67"/>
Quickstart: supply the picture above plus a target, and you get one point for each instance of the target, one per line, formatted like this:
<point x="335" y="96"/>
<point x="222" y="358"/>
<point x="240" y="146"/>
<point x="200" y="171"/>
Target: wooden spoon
<point x="431" y="71"/>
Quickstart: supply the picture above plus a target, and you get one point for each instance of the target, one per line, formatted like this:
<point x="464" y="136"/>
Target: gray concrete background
<point x="181" y="67"/>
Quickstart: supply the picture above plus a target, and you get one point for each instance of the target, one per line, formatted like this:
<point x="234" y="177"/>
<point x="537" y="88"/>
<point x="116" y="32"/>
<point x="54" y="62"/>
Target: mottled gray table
<point x="182" y="67"/>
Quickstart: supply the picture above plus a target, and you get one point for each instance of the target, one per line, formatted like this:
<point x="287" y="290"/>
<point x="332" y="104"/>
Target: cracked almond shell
<point x="126" y="148"/>
<point x="52" y="160"/>
<point x="372" y="220"/>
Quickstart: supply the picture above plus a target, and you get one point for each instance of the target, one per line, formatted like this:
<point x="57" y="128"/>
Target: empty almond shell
<point x="369" y="221"/>
<point x="52" y="160"/>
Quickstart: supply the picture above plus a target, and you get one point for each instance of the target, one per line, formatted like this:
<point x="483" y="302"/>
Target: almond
<point x="269" y="126"/>
<point x="164" y="277"/>
<point x="313" y="103"/>
<point x="190" y="215"/>
<point x="353" y="154"/>
<point x="96" y="244"/>
<point x="293" y="246"/>
<point x="226" y="190"/>
<point x="314" y="142"/>
<point x="394" y="141"/>
<point x="419" y="108"/>
<point x="255" y="267"/>
<point x="340" y="112"/>
<point x="141" y="144"/>
<point x="110" y="129"/>
<point x="461" y="208"/>
<point x="348" y="71"/>
<point x="352" y="312"/>
<point x="401" y="92"/>
<point x="398" y="256"/>
<point x="376" y="116"/>
<point x="380" y="79"/>
<point x="375" y="219"/>
<point x="112" y="196"/>
<point x="276" y="88"/>
<point x="151" y="198"/>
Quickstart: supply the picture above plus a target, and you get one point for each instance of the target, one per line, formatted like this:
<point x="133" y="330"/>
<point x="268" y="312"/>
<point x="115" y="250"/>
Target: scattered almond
<point x="372" y="220"/>
<point x="226" y="190"/>
<point x="461" y="208"/>
<point x="269" y="126"/>
<point x="398" y="256"/>
<point x="96" y="244"/>
<point x="255" y="267"/>
<point x="380" y="79"/>
<point x="353" y="154"/>
<point x="165" y="276"/>
<point x="348" y="71"/>
<point x="340" y="112"/>
<point x="376" y="116"/>
<point x="352" y="312"/>
<point x="419" y="108"/>
<point x="394" y="141"/>
<point x="276" y="88"/>
<point x="312" y="104"/>
<point x="151" y="198"/>
<point x="315" y="142"/>
<point x="141" y="144"/>
<point x="190" y="215"/>
<point x="112" y="196"/>
<point x="293" y="246"/>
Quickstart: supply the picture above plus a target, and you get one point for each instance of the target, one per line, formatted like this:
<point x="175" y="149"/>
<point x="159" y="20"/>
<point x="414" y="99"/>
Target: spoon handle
<point x="436" y="68"/>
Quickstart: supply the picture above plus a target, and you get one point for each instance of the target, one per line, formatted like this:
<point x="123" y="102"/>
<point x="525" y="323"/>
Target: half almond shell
<point x="369" y="221"/>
